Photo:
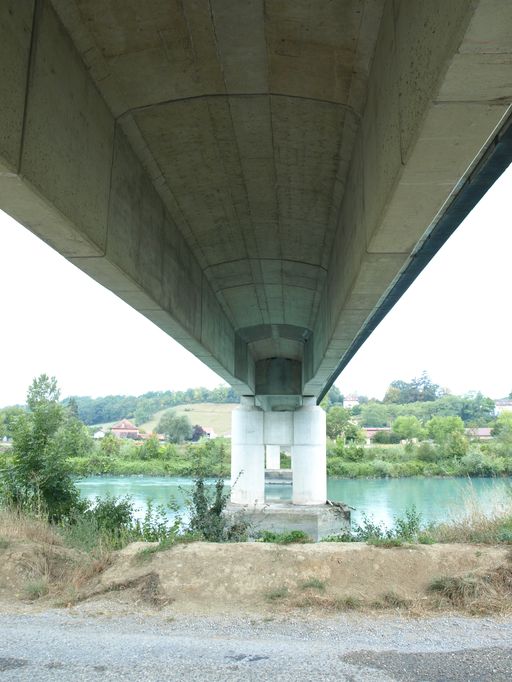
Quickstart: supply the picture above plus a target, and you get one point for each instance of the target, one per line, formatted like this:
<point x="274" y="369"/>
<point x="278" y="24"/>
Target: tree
<point x="73" y="438"/>
<point x="197" y="433"/>
<point x="150" y="449"/>
<point x="38" y="478"/>
<point x="337" y="420"/>
<point x="502" y="430"/>
<point x="441" y="428"/>
<point x="8" y="417"/>
<point x="110" y="445"/>
<point x="420" y="389"/>
<point x="334" y="396"/>
<point x="374" y="415"/>
<point x="176" y="428"/>
<point x="407" y="427"/>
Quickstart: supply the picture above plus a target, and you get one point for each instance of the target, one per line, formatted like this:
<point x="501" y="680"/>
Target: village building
<point x="350" y="401"/>
<point x="125" y="429"/>
<point x="501" y="406"/>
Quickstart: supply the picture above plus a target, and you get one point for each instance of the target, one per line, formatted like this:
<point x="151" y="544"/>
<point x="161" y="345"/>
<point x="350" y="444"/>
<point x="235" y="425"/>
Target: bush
<point x="386" y="438"/>
<point x="285" y="538"/>
<point x="206" y="505"/>
<point x="426" y="452"/>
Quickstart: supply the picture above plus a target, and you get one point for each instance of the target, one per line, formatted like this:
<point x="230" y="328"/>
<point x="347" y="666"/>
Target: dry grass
<point x="476" y="525"/>
<point x="43" y="565"/>
<point x="16" y="525"/>
<point x="476" y="593"/>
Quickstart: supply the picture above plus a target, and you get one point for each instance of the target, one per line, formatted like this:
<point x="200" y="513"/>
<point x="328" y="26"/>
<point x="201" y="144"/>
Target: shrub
<point x="206" y="506"/>
<point x="285" y="538"/>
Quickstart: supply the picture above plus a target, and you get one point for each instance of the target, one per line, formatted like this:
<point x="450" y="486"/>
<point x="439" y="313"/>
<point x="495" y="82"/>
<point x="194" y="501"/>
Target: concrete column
<point x="247" y="454"/>
<point x="273" y="457"/>
<point x="309" y="465"/>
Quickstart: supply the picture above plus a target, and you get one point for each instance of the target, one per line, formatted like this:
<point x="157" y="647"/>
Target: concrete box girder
<point x="229" y="166"/>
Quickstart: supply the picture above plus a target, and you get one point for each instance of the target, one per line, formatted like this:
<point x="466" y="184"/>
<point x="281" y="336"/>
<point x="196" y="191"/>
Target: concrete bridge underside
<point x="261" y="179"/>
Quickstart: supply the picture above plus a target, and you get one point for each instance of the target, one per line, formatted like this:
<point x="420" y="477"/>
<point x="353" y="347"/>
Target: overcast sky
<point x="454" y="322"/>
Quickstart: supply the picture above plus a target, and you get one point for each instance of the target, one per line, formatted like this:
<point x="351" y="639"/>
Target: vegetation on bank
<point x="428" y="435"/>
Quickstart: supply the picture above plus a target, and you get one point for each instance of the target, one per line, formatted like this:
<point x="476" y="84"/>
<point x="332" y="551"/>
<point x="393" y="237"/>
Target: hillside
<point x="215" y="415"/>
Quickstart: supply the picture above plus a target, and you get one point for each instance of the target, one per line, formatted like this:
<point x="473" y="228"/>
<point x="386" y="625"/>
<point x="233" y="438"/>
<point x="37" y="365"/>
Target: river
<point x="437" y="499"/>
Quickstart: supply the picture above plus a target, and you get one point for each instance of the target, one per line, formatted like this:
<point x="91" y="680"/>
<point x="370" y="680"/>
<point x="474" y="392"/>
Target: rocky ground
<point x="94" y="644"/>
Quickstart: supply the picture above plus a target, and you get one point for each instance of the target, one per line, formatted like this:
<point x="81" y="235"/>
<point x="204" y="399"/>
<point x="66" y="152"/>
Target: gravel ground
<point x="58" y="645"/>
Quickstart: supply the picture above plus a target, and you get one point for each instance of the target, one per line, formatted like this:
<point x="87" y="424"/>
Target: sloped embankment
<point x="205" y="578"/>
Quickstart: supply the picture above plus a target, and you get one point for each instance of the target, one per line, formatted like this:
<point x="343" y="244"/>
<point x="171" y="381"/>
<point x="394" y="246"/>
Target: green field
<point x="214" y="415"/>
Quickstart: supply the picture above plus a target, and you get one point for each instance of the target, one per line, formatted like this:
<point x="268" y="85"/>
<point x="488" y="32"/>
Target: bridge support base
<point x="256" y="433"/>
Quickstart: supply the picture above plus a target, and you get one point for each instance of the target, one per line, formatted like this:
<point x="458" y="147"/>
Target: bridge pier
<point x="257" y="433"/>
<point x="273" y="457"/>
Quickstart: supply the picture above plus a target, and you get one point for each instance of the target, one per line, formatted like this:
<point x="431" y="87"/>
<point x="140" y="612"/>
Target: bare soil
<point x="259" y="579"/>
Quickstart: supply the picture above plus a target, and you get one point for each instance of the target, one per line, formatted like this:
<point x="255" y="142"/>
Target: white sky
<point x="454" y="322"/>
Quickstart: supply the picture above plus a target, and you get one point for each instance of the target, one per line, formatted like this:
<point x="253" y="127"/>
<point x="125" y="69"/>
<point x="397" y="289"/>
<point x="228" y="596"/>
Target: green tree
<point x="502" y="430"/>
<point x="408" y="427"/>
<point x="8" y="417"/>
<point x="73" y="438"/>
<point x="177" y="428"/>
<point x="38" y="478"/>
<point x="150" y="449"/>
<point x="374" y="415"/>
<point x="420" y="389"/>
<point x="337" y="420"/>
<point x="441" y="428"/>
<point x="353" y="434"/>
<point x="110" y="445"/>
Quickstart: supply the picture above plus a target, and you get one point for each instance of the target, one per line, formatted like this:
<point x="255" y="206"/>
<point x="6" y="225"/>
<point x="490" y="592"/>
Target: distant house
<point x="209" y="432"/>
<point x="146" y="436"/>
<point x="370" y="431"/>
<point x="350" y="401"/>
<point x="98" y="435"/>
<point x="501" y="406"/>
<point x="482" y="433"/>
<point x="125" y="429"/>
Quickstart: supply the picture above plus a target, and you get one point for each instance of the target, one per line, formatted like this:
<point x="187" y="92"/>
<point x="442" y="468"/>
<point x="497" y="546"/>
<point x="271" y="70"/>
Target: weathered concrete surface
<point x="253" y="176"/>
<point x="318" y="521"/>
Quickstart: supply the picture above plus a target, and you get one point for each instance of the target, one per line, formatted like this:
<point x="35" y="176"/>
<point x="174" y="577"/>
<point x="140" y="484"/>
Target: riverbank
<point x="260" y="579"/>
<point x="466" y="566"/>
<point x="378" y="462"/>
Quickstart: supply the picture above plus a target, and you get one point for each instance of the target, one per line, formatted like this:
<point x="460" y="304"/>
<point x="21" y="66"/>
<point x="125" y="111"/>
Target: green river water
<point x="438" y="499"/>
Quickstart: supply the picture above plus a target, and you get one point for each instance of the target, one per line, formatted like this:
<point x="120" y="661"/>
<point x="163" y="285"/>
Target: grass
<point x="4" y="543"/>
<point x="35" y="589"/>
<point x="456" y="589"/>
<point x="385" y="542"/>
<point x="313" y="583"/>
<point x="277" y="594"/>
<point x="215" y="415"/>
<point x="286" y="538"/>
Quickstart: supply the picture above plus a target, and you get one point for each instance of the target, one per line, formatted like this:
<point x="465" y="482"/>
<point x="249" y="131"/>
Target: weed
<point x="313" y="583"/>
<point x="341" y="537"/>
<point x="4" y="543"/>
<point x="35" y="589"/>
<point x="286" y="538"/>
<point x="394" y="600"/>
<point x="145" y="554"/>
<point x="457" y="589"/>
<point x="385" y="542"/>
<point x="277" y="594"/>
<point x="348" y="603"/>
